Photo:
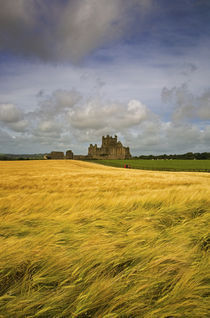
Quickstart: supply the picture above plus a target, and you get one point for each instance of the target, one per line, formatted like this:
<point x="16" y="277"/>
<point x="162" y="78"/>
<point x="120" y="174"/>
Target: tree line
<point x="185" y="156"/>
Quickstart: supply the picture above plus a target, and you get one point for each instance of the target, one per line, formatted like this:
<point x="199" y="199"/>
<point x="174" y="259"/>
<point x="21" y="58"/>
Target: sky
<point x="74" y="70"/>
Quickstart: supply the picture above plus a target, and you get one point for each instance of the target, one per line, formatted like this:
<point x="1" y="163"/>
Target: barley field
<point x="84" y="240"/>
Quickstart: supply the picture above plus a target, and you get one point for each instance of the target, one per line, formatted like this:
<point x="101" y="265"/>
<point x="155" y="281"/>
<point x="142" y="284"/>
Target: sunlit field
<point x="84" y="240"/>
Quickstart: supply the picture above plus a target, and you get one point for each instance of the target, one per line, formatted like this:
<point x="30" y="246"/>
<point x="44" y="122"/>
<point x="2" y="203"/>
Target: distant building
<point x="55" y="155"/>
<point x="110" y="149"/>
<point x="69" y="154"/>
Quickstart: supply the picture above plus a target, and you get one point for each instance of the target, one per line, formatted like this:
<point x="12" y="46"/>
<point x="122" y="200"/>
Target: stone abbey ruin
<point x="110" y="149"/>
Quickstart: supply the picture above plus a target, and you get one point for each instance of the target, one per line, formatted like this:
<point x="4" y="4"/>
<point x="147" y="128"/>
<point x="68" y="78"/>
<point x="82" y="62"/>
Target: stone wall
<point x="81" y="157"/>
<point x="110" y="149"/>
<point x="69" y="154"/>
<point x="56" y="155"/>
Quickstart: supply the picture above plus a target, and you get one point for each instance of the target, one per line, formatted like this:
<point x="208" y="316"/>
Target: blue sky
<point x="74" y="70"/>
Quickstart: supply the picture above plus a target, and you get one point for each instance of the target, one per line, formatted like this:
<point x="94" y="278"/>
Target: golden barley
<point x="83" y="240"/>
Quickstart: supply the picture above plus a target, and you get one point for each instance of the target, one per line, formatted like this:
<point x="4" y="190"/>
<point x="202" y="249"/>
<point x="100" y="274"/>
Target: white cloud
<point x="183" y="136"/>
<point x="158" y="137"/>
<point x="13" y="118"/>
<point x="205" y="135"/>
<point x="9" y="113"/>
<point x="187" y="105"/>
<point x="65" y="120"/>
<point x="203" y="103"/>
<point x="46" y="126"/>
<point x="19" y="126"/>
<point x="60" y="101"/>
<point x="114" y="116"/>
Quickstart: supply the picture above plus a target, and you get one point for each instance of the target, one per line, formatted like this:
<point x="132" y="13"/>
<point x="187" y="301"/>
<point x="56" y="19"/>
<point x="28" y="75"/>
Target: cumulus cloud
<point x="183" y="136"/>
<point x="158" y="137"/>
<point x="187" y="106"/>
<point x="65" y="120"/>
<point x="63" y="30"/>
<point x="9" y="113"/>
<point x="69" y="110"/>
<point x="96" y="115"/>
<point x="48" y="128"/>
<point x="13" y="118"/>
<point x="5" y="137"/>
<point x="19" y="126"/>
<point x="56" y="104"/>
<point x="206" y="136"/>
<point x="203" y="102"/>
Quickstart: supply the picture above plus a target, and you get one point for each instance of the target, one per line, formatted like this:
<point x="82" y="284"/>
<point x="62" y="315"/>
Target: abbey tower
<point x="110" y="149"/>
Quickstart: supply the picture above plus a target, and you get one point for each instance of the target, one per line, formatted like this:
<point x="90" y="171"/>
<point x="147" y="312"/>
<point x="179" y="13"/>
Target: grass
<point x="167" y="165"/>
<point x="85" y="240"/>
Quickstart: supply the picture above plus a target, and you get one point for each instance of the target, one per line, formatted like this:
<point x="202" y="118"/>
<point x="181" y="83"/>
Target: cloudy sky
<point x="74" y="70"/>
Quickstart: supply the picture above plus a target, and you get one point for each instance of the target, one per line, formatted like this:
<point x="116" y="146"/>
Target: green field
<point x="167" y="165"/>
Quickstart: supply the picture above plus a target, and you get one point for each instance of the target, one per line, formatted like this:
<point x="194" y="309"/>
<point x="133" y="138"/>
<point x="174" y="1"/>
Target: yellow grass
<point x="83" y="240"/>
